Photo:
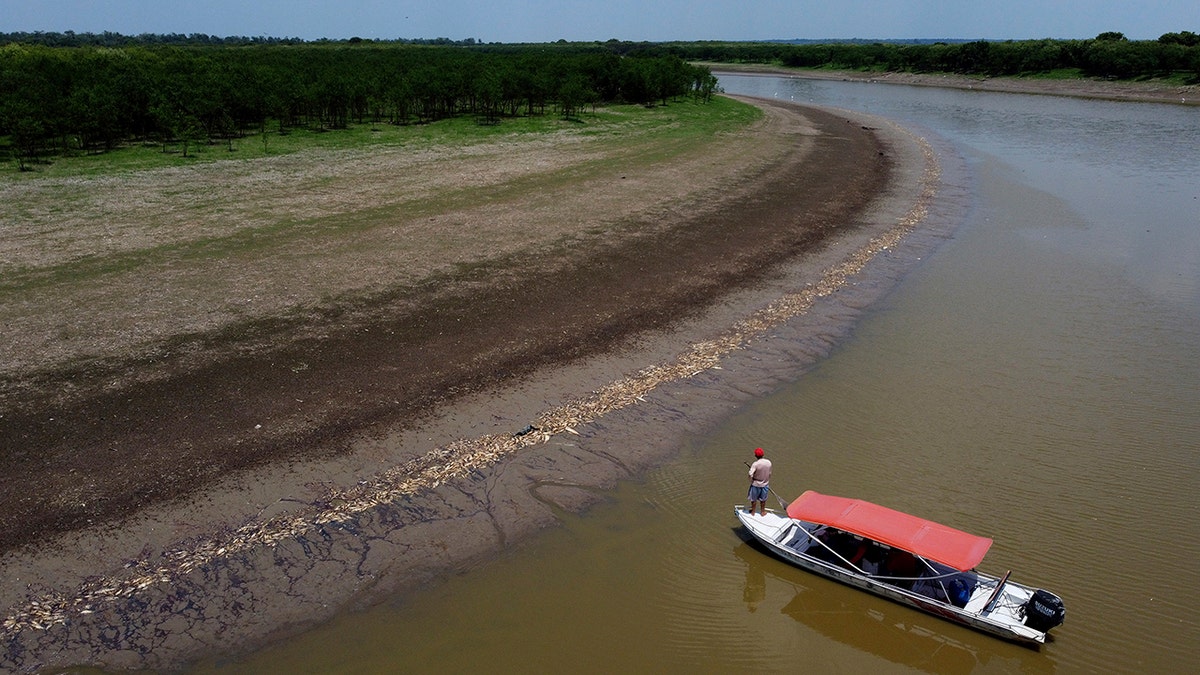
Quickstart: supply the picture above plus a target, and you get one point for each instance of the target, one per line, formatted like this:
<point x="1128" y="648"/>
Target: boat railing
<point x="815" y="538"/>
<point x="937" y="575"/>
<point x="995" y="593"/>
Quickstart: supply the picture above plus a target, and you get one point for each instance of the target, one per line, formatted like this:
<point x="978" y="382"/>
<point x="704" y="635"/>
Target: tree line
<point x="94" y="98"/>
<point x="1108" y="55"/>
<point x="111" y="39"/>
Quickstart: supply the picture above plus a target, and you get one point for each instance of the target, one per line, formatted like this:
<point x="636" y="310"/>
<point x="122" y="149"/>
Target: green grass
<point x="682" y="120"/>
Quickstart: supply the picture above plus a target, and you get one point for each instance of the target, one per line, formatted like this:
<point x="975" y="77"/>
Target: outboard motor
<point x="1044" y="610"/>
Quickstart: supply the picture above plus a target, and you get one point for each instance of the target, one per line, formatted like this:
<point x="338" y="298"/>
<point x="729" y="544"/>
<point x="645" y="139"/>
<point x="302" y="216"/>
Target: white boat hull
<point x="1001" y="616"/>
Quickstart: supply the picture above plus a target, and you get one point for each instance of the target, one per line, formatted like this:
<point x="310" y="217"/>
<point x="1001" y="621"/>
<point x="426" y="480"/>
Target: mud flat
<point x="406" y="437"/>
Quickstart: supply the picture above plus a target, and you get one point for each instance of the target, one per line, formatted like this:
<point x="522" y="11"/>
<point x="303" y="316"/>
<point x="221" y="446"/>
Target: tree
<point x="705" y="84"/>
<point x="973" y="57"/>
<point x="197" y="88"/>
<point x="30" y="106"/>
<point x="1115" y="59"/>
<point x="488" y="94"/>
<point x="27" y="136"/>
<point x="1185" y="38"/>
<point x="573" y="94"/>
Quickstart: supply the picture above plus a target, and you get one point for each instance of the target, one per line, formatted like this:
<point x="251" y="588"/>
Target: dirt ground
<point x="233" y="470"/>
<point x="157" y="381"/>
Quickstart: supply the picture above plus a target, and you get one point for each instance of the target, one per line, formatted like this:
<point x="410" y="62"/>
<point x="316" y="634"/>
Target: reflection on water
<point x="897" y="634"/>
<point x="1035" y="381"/>
<point x="755" y="590"/>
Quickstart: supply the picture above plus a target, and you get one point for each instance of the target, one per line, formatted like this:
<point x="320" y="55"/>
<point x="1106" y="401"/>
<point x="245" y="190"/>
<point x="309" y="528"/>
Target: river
<point x="1035" y="379"/>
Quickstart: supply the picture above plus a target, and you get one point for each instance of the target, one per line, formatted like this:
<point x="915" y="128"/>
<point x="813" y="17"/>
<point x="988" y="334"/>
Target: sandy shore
<point x="563" y="378"/>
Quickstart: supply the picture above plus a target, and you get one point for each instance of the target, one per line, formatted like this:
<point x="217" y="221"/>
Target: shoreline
<point x="498" y="486"/>
<point x="1108" y="90"/>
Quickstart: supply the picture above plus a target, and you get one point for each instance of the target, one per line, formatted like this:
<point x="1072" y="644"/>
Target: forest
<point x="64" y="93"/>
<point x="92" y="98"/>
<point x="1109" y="55"/>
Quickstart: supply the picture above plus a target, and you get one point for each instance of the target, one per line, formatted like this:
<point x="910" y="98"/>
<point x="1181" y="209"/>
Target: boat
<point x="915" y="562"/>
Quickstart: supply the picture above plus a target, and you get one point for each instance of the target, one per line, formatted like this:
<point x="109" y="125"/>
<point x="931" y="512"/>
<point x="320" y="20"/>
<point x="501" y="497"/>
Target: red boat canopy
<point x="925" y="538"/>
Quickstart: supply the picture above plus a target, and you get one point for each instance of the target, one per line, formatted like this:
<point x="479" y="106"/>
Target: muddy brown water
<point x="1032" y="377"/>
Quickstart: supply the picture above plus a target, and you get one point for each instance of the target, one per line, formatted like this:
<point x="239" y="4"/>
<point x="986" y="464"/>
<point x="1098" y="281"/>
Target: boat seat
<point x="799" y="542"/>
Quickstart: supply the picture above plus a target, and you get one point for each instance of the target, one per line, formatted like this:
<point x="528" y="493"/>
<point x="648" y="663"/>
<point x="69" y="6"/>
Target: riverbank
<point x="1111" y="90"/>
<point x="386" y="503"/>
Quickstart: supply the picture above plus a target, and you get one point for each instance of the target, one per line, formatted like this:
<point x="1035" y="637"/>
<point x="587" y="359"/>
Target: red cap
<point x="758" y="452"/>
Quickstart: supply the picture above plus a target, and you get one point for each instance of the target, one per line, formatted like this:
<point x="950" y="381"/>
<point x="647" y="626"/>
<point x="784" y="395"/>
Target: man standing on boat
<point x="760" y="478"/>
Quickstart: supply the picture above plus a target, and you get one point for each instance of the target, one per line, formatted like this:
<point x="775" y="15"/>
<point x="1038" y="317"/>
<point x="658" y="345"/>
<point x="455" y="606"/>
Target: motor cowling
<point x="1044" y="610"/>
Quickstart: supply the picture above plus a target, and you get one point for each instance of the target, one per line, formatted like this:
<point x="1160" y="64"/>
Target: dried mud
<point x="207" y="498"/>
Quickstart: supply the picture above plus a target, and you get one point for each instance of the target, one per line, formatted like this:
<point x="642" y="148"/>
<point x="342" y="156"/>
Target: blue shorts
<point x="758" y="494"/>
